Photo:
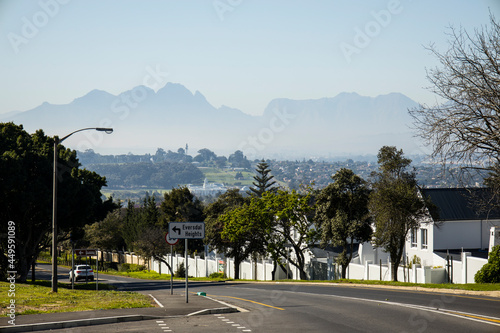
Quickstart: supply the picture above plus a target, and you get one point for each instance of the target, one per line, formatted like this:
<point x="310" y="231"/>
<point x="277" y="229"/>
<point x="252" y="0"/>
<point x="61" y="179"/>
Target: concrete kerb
<point x="75" y="323"/>
<point x="115" y="319"/>
<point x="495" y="293"/>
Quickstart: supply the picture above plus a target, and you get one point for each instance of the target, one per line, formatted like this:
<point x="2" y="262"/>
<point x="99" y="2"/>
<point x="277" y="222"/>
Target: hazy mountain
<point x="173" y="116"/>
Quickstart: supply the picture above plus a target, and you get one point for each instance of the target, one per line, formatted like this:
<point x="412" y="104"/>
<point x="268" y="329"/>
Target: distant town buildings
<point x="207" y="188"/>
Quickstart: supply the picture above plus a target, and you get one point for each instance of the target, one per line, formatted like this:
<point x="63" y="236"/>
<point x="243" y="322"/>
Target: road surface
<point x="283" y="307"/>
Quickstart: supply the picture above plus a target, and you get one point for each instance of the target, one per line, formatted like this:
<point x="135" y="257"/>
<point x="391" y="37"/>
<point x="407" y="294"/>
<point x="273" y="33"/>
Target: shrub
<point x="490" y="273"/>
<point x="131" y="267"/>
<point x="181" y="272"/>
<point x="216" y="276"/>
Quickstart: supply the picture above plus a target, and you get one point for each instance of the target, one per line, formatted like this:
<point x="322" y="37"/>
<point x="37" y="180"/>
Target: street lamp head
<point x="107" y="130"/>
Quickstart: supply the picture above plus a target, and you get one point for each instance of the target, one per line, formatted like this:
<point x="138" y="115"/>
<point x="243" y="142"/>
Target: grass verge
<point x="152" y="275"/>
<point x="468" y="286"/>
<point x="37" y="297"/>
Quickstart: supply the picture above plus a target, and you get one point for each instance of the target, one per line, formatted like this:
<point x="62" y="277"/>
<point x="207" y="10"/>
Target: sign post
<point x="187" y="269"/>
<point x="172" y="242"/>
<point x="187" y="230"/>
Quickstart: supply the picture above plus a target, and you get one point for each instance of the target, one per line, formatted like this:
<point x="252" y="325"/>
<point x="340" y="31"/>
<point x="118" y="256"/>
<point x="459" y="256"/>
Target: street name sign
<point x="186" y="230"/>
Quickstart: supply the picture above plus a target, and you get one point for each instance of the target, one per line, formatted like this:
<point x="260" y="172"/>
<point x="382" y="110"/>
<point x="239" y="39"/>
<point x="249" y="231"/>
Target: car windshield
<point x="83" y="267"/>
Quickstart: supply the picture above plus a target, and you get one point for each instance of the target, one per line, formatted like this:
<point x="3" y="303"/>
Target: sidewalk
<point x="174" y="305"/>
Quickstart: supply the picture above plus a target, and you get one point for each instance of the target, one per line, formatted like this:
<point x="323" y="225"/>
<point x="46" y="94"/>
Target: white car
<point x="82" y="272"/>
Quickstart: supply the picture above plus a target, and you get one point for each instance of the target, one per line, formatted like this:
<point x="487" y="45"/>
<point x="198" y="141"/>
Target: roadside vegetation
<point x="36" y="297"/>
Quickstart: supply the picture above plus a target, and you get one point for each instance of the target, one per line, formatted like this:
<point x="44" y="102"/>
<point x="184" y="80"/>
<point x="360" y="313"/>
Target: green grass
<point x="215" y="175"/>
<point x="152" y="275"/>
<point x="37" y="297"/>
<point x="468" y="286"/>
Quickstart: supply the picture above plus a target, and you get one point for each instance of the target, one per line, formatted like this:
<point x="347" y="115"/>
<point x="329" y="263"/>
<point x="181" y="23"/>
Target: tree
<point x="131" y="225"/>
<point x="205" y="155"/>
<point x="465" y="128"/>
<point x="227" y="201"/>
<point x="395" y="204"/>
<point x="238" y="160"/>
<point x="263" y="180"/>
<point x="151" y="244"/>
<point x="106" y="234"/>
<point x="244" y="229"/>
<point x="26" y="170"/>
<point x="490" y="273"/>
<point x="180" y="205"/>
<point x="342" y="214"/>
<point x="215" y="224"/>
<point x="289" y="225"/>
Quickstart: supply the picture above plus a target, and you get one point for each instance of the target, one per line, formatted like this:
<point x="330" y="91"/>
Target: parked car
<point x="82" y="272"/>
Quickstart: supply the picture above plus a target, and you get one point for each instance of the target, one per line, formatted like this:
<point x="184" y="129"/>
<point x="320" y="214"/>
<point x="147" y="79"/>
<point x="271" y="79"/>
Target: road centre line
<point x="468" y="316"/>
<point x="249" y="300"/>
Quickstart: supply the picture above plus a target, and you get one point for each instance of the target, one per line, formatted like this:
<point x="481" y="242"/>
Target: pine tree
<point x="263" y="180"/>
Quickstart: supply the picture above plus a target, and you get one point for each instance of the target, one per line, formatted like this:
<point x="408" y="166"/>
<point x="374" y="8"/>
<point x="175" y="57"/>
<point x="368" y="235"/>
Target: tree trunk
<point x="273" y="273"/>
<point x="344" y="271"/>
<point x="237" y="263"/>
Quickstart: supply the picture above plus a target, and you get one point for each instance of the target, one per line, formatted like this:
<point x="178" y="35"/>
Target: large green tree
<point x="395" y="203"/>
<point x="106" y="234"/>
<point x="214" y="225"/>
<point x="180" y="205"/>
<point x="289" y="226"/>
<point x="244" y="228"/>
<point x="26" y="171"/>
<point x="342" y="214"/>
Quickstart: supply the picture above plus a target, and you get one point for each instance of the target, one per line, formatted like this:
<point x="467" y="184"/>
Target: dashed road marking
<point x="227" y="321"/>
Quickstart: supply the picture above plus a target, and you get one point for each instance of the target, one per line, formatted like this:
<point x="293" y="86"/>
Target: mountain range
<point x="173" y="116"/>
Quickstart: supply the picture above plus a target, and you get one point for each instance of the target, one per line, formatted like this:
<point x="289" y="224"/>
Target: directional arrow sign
<point x="186" y="230"/>
<point x="86" y="252"/>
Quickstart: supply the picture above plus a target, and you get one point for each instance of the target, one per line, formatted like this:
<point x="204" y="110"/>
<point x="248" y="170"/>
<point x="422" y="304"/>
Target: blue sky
<point x="240" y="53"/>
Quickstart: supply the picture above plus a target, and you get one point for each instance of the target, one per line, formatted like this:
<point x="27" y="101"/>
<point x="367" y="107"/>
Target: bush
<point x="217" y="276"/>
<point x="490" y="273"/>
<point x="131" y="267"/>
<point x="181" y="272"/>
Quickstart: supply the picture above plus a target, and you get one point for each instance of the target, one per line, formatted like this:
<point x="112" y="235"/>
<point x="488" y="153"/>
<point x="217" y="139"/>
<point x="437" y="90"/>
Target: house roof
<point x="460" y="203"/>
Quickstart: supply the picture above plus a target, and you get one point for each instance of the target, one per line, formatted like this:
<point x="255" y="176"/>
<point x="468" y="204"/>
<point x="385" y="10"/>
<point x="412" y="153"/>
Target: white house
<point x="460" y="227"/>
<point x="207" y="188"/>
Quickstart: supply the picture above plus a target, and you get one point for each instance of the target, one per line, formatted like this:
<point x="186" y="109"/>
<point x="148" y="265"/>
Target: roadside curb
<point x="74" y="323"/>
<point x="213" y="311"/>
<point x="493" y="293"/>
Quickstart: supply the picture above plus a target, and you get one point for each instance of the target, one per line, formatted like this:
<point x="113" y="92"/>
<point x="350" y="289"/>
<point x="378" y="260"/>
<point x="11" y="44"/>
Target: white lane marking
<point x="157" y="302"/>
<point x="411" y="306"/>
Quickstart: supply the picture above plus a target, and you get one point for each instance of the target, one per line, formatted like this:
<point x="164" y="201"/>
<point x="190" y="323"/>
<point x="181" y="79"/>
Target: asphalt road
<point x="280" y="307"/>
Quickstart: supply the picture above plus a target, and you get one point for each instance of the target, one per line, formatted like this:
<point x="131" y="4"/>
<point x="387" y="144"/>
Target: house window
<point x="413" y="237"/>
<point x="424" y="238"/>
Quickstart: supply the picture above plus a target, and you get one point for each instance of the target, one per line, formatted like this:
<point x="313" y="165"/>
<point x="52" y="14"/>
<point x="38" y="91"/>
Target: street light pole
<point x="57" y="141"/>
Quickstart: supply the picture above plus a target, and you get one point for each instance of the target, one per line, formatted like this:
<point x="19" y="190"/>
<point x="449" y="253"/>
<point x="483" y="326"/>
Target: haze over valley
<point x="347" y="124"/>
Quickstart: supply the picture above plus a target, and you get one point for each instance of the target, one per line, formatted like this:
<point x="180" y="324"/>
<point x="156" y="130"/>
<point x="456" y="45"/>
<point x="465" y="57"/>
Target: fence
<point x="455" y="271"/>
